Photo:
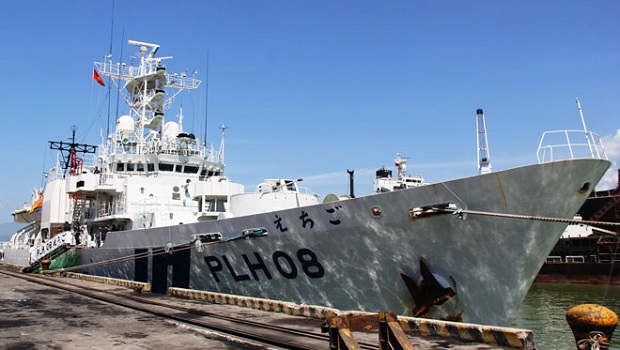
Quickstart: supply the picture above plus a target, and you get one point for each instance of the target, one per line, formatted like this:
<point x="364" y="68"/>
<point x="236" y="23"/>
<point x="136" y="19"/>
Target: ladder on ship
<point x="78" y="209"/>
<point x="35" y="265"/>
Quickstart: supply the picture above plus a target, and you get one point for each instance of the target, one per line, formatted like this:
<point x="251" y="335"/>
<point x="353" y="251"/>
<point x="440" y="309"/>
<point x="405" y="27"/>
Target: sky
<point x="311" y="89"/>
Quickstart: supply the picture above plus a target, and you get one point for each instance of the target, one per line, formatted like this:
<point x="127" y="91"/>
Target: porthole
<point x="376" y="212"/>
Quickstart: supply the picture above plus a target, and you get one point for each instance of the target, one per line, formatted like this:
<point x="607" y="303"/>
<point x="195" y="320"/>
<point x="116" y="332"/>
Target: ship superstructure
<point x="152" y="172"/>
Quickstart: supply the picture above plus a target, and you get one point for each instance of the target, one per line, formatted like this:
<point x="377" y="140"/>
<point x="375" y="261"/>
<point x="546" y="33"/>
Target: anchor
<point x="432" y="290"/>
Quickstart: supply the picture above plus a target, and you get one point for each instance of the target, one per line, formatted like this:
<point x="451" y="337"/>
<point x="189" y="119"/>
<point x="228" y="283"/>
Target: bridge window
<point x="166" y="167"/>
<point x="190" y="169"/>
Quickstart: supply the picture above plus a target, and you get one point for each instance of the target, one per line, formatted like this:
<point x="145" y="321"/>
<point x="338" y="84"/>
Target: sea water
<point x="545" y="306"/>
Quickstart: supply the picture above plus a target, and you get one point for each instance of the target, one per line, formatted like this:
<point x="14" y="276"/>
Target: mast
<point x="484" y="155"/>
<point x="181" y="118"/>
<point x="220" y="154"/>
<point x="148" y="89"/>
<point x="585" y="129"/>
<point x="110" y="53"/>
<point x="401" y="165"/>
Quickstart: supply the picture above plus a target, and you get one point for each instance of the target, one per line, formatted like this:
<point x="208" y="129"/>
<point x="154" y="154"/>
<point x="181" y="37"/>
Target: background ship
<point x="155" y="206"/>
<point x="589" y="253"/>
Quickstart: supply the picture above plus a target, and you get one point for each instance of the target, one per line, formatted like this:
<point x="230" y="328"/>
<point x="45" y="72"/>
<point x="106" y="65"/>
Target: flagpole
<point x="110" y="77"/>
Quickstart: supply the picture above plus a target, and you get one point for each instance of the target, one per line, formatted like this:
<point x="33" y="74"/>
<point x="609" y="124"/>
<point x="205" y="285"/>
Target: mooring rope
<point x="530" y="217"/>
<point x="156" y="252"/>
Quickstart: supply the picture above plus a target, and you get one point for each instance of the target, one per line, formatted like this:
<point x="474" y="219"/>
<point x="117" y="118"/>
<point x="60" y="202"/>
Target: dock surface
<point x="37" y="316"/>
<point x="41" y="317"/>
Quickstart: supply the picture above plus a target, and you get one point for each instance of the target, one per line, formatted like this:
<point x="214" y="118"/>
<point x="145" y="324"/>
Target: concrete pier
<point x="37" y="316"/>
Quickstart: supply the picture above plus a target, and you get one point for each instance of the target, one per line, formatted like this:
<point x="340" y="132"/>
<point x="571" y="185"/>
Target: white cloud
<point x="612" y="148"/>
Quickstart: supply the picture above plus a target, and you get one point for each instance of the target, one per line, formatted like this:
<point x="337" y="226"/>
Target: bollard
<point x="592" y="325"/>
<point x="45" y="264"/>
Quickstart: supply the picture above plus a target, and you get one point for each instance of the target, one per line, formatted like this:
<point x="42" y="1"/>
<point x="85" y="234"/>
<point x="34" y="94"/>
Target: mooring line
<point x="159" y="251"/>
<point x="529" y="217"/>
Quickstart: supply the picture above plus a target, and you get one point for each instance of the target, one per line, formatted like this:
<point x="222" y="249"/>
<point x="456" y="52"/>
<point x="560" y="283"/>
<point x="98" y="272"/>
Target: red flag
<point x="98" y="78"/>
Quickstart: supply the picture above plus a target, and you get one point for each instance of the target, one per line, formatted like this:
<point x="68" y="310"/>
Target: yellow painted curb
<point x="502" y="336"/>
<point x="145" y="287"/>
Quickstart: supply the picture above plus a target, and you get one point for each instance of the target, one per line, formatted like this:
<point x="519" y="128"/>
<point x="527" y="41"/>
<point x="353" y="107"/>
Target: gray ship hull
<point x="350" y="254"/>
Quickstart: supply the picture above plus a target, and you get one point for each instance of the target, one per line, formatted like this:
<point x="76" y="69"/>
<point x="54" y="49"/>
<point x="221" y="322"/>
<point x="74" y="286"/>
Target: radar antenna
<point x="484" y="155"/>
<point x="71" y="160"/>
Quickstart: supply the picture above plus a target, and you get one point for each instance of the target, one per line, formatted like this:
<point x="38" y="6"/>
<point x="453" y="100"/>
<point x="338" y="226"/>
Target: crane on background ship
<point x="484" y="155"/>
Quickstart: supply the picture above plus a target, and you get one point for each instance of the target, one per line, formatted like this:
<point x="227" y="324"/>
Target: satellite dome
<point x="124" y="124"/>
<point x="171" y="130"/>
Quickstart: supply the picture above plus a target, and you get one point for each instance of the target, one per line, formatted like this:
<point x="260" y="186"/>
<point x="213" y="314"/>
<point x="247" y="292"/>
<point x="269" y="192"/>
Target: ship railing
<point x="88" y="159"/>
<point x="117" y="206"/>
<point x="608" y="257"/>
<point x="106" y="209"/>
<point x="54" y="174"/>
<point x="304" y="190"/>
<point x="181" y="152"/>
<point x="122" y="71"/>
<point x="19" y="245"/>
<point x="570" y="259"/>
<point x="570" y="144"/>
<point x="575" y="259"/>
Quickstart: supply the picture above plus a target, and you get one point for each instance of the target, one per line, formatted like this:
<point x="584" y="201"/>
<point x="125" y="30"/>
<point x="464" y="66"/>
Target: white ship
<point x="466" y="249"/>
<point x="384" y="182"/>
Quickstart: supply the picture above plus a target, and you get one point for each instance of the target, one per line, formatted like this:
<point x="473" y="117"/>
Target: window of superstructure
<point x="290" y="185"/>
<point x="166" y="167"/>
<point x="120" y="166"/>
<point x="179" y="168"/>
<point x="190" y="169"/>
<point x="150" y="167"/>
<point x="130" y="167"/>
<point x="140" y="167"/>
